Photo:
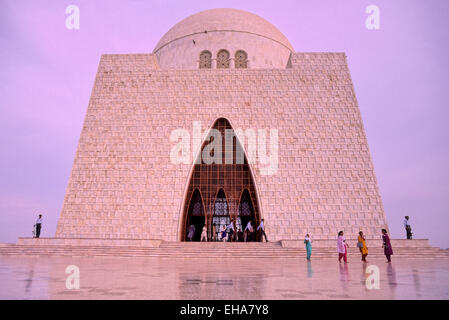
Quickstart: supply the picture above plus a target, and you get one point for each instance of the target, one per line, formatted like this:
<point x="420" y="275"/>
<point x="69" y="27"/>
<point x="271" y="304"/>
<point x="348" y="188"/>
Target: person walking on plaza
<point x="308" y="243"/>
<point x="262" y="231"/>
<point x="341" y="247"/>
<point x="191" y="232"/>
<point x="408" y="228"/>
<point x="388" y="250"/>
<point x="204" y="234"/>
<point x="361" y="244"/>
<point x="38" y="226"/>
<point x="231" y="231"/>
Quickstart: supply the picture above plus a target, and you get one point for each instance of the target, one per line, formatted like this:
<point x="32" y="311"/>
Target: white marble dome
<point x="223" y="29"/>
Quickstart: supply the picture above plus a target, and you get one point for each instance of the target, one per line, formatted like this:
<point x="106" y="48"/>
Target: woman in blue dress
<point x="308" y="243"/>
<point x="223" y="233"/>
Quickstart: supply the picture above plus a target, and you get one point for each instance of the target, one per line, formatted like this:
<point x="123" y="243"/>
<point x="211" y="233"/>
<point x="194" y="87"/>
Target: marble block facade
<point x="124" y="185"/>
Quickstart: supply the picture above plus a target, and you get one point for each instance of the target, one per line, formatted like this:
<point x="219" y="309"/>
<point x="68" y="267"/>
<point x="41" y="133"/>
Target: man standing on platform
<point x="38" y="226"/>
<point x="408" y="228"/>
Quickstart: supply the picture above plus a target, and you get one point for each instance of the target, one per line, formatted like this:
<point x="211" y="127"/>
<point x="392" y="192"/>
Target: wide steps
<point x="206" y="250"/>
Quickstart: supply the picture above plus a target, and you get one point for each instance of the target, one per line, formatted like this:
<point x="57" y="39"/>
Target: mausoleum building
<point x="223" y="121"/>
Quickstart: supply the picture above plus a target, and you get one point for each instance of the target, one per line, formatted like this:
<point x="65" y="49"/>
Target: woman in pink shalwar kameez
<point x="341" y="247"/>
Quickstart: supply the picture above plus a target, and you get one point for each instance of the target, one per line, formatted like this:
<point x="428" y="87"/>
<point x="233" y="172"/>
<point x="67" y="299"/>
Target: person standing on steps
<point x="223" y="233"/>
<point x="249" y="232"/>
<point x="38" y="226"/>
<point x="204" y="234"/>
<point x="408" y="228"/>
<point x="191" y="232"/>
<point x="231" y="231"/>
<point x="388" y="250"/>
<point x="308" y="243"/>
<point x="252" y="232"/>
<point x="262" y="231"/>
<point x="361" y="244"/>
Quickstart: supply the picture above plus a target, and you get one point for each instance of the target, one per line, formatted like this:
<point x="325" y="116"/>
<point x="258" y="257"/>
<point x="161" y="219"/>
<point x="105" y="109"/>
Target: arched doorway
<point x="246" y="211"/>
<point x="196" y="216"/>
<point x="221" y="174"/>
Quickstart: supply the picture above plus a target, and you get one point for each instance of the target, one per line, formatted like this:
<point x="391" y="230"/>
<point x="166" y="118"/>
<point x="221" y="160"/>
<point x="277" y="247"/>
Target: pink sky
<point x="400" y="74"/>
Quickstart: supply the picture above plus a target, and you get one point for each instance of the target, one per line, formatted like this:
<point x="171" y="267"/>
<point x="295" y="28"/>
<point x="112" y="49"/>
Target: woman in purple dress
<point x="388" y="250"/>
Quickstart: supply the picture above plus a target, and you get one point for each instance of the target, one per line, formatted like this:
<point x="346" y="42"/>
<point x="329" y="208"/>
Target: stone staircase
<point x="214" y="250"/>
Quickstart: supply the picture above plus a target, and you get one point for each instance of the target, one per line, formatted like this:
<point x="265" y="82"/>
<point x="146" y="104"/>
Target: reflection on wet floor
<point x="163" y="278"/>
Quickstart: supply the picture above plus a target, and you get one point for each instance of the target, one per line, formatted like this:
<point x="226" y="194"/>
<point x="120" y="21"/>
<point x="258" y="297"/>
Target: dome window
<point x="223" y="59"/>
<point x="205" y="60"/>
<point x="241" y="60"/>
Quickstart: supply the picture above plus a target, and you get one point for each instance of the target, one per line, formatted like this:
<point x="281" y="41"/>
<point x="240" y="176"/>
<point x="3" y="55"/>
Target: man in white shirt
<point x="262" y="228"/>
<point x="38" y="226"/>
<point x="249" y="232"/>
<point x="408" y="228"/>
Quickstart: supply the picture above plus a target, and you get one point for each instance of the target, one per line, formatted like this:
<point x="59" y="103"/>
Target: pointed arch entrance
<point x="196" y="216"/>
<point x="221" y="174"/>
<point x="246" y="210"/>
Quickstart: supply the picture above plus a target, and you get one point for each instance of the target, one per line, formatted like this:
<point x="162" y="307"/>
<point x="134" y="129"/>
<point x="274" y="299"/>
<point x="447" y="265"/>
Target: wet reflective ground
<point x="24" y="277"/>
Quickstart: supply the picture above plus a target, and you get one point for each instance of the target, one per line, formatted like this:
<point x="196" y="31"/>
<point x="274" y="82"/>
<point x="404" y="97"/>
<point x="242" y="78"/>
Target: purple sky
<point x="400" y="74"/>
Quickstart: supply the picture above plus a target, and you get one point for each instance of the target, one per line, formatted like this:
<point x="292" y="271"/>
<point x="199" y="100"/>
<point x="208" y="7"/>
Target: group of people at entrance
<point x="342" y="246"/>
<point x="228" y="233"/>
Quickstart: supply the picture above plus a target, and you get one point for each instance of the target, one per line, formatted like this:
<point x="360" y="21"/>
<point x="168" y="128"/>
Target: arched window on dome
<point x="223" y="59"/>
<point x="205" y="60"/>
<point x="241" y="60"/>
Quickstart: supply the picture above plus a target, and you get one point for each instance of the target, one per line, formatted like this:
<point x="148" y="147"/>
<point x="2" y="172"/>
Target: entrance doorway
<point x="196" y="217"/>
<point x="222" y="189"/>
<point x="246" y="213"/>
